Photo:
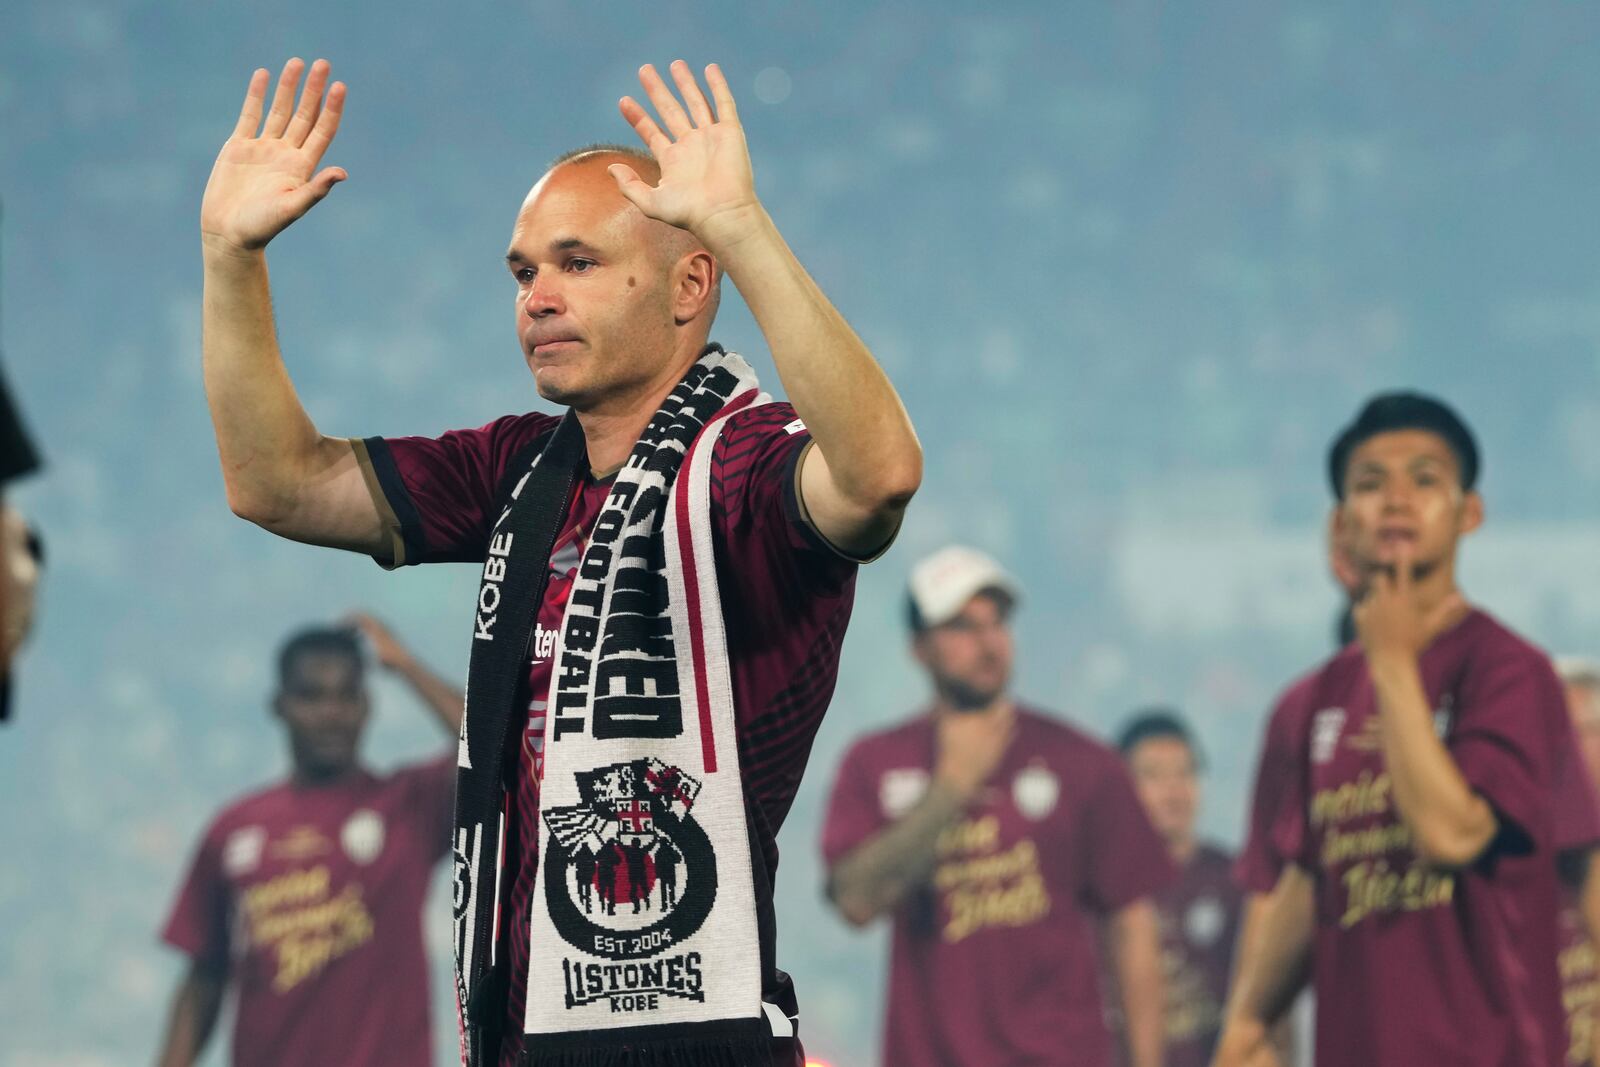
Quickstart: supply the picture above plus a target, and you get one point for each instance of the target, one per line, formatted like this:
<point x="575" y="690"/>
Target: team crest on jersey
<point x="1035" y="791"/>
<point x="1326" y="726"/>
<point x="362" y="836"/>
<point x="241" y="853"/>
<point x="900" y="789"/>
<point x="629" y="875"/>
<point x="1203" y="922"/>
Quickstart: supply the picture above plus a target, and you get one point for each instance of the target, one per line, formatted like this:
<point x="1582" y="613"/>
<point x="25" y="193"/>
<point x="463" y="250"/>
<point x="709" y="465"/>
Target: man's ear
<point x="694" y="288"/>
<point x="1472" y="512"/>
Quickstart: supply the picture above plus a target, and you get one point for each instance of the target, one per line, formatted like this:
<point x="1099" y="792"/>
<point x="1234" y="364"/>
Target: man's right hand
<point x="263" y="182"/>
<point x="971" y="745"/>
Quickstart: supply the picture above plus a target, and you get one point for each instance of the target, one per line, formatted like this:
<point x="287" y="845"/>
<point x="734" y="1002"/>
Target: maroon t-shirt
<point x="1199" y="926"/>
<point x="995" y="961"/>
<point x="786" y="600"/>
<point x="1259" y="864"/>
<point x="1415" y="965"/>
<point x="1580" y="980"/>
<point x="312" y="897"/>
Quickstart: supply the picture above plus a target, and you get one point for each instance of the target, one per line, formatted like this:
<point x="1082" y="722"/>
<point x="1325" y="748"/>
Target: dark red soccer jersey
<point x="995" y="962"/>
<point x="1415" y="964"/>
<point x="312" y="898"/>
<point x="1199" y="926"/>
<point x="786" y="600"/>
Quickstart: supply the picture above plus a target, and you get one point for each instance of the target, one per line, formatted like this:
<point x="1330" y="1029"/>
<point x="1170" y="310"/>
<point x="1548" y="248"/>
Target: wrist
<point x="728" y="231"/>
<point x="218" y="251"/>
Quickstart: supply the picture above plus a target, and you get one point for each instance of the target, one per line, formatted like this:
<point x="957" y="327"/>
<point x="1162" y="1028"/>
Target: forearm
<point x="195" y="1007"/>
<point x="877" y="875"/>
<point x="1450" y="824"/>
<point x="1137" y="956"/>
<point x="835" y="385"/>
<point x="267" y="443"/>
<point x="1274" y="952"/>
<point x="442" y="698"/>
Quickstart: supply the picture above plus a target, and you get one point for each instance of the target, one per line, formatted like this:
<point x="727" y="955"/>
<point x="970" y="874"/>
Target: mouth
<point x="1394" y="536"/>
<point x="553" y="347"/>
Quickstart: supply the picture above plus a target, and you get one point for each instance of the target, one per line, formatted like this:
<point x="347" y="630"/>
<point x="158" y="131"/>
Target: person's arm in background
<point x="1280" y="1050"/>
<point x="279" y="470"/>
<point x="443" y="699"/>
<point x="873" y="878"/>
<point x="195" y="1007"/>
<point x="1135" y="937"/>
<point x="1272" y="973"/>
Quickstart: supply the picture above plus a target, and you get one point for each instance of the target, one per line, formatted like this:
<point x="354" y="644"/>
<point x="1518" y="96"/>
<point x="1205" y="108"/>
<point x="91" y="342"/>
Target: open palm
<point x="263" y="182"/>
<point x="706" y="177"/>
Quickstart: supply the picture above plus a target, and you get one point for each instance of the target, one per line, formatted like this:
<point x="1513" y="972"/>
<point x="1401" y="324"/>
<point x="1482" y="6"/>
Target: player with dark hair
<point x="668" y="567"/>
<point x="1199" y="913"/>
<point x="305" y="897"/>
<point x="998" y="839"/>
<point x="1420" y="802"/>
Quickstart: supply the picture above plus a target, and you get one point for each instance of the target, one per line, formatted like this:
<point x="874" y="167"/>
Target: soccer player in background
<point x="1418" y="826"/>
<point x="305" y="899"/>
<point x="1198" y="913"/>
<point x="997" y="838"/>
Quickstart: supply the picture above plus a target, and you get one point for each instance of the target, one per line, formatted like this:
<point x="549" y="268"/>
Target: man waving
<point x="668" y="567"/>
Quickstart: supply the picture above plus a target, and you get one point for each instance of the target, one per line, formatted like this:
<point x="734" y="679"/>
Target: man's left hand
<point x="1391" y="623"/>
<point x="707" y="186"/>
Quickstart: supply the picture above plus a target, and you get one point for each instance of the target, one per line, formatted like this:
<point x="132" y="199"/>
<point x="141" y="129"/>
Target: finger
<point x="644" y="126"/>
<point x="318" y="187"/>
<point x="283" y="99"/>
<point x="254" y="97"/>
<point x="310" y="104"/>
<point x="683" y="78"/>
<point x="666" y="104"/>
<point x="321" y="134"/>
<point x="726" y="111"/>
<point x="638" y="191"/>
<point x="1402" y="569"/>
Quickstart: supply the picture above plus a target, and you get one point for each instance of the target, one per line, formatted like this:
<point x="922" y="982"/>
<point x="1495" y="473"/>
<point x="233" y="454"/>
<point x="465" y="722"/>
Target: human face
<point x="1165" y="776"/>
<point x="1402" y="490"/>
<point x="595" y="306"/>
<point x="323" y="702"/>
<point x="969" y="658"/>
<point x="1583" y="704"/>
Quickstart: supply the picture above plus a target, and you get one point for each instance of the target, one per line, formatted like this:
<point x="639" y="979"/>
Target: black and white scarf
<point x="645" y="940"/>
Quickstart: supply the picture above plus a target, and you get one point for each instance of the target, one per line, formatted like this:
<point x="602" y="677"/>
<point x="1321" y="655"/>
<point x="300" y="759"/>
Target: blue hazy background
<point x="1129" y="264"/>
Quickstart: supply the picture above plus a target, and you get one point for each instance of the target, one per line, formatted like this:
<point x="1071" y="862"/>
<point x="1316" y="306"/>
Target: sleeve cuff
<point x="795" y="505"/>
<point x="395" y="509"/>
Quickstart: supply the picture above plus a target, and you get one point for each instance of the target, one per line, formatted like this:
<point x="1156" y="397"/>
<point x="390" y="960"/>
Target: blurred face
<point x="1165" y="776"/>
<point x="323" y="702"/>
<point x="1583" y="703"/>
<point x="969" y="657"/>
<point x="1403" y="490"/>
<point x="602" y="293"/>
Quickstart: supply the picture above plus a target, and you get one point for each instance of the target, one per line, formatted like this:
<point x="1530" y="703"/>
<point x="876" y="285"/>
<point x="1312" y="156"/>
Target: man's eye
<point x="524" y="275"/>
<point x="580" y="266"/>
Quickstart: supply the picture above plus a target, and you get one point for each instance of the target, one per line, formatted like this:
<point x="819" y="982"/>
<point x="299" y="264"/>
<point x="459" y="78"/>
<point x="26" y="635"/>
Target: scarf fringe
<point x="672" y="1052"/>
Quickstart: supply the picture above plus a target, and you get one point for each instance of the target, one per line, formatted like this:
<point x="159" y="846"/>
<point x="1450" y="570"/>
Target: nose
<point x="544" y="298"/>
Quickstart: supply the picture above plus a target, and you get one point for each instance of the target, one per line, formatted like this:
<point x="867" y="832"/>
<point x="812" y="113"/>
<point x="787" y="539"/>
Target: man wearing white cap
<point x="999" y="839"/>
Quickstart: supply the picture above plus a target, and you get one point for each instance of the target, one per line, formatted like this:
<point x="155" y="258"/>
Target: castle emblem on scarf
<point x="628" y="875"/>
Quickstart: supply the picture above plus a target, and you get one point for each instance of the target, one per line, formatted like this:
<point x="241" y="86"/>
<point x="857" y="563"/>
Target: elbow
<point x="894" y="482"/>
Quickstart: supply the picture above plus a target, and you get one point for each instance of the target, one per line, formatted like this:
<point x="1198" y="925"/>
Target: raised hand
<point x="1391" y="622"/>
<point x="970" y="747"/>
<point x="706" y="186"/>
<point x="262" y="182"/>
<point x="390" y="653"/>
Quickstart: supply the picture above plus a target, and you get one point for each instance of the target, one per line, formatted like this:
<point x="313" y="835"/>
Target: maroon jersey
<point x="1199" y="926"/>
<point x="1415" y="964"/>
<point x="786" y="599"/>
<point x="995" y="961"/>
<point x="1580" y="981"/>
<point x="312" y="897"/>
<point x="1259" y="863"/>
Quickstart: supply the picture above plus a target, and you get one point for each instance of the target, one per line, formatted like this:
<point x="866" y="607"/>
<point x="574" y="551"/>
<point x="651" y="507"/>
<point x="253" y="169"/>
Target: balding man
<point x="668" y="567"/>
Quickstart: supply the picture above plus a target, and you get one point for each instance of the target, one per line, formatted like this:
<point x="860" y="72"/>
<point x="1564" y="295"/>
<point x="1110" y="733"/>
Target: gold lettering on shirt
<point x="1373" y="888"/>
<point x="984" y="887"/>
<point x="302" y="925"/>
<point x="1580" y="997"/>
<point x="1385" y="875"/>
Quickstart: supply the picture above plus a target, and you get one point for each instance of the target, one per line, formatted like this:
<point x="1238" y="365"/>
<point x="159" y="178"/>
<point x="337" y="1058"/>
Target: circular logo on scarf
<point x="1203" y="922"/>
<point x="1035" y="791"/>
<point x="629" y="873"/>
<point x="362" y="836"/>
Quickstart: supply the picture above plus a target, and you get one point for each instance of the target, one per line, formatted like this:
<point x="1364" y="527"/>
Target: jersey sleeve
<point x="1259" y="863"/>
<point x="1577" y="808"/>
<point x="438" y="496"/>
<point x="1125" y="858"/>
<point x="1511" y="709"/>
<point x="198" y="923"/>
<point x="854" y="813"/>
<point x="431" y="791"/>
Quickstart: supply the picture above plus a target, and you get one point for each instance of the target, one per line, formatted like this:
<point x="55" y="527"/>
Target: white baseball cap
<point x="941" y="584"/>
